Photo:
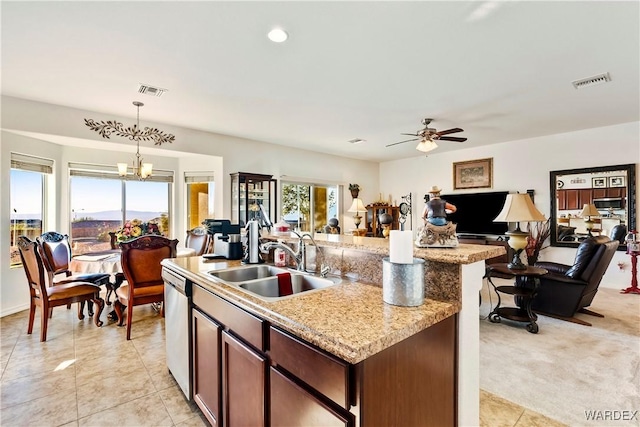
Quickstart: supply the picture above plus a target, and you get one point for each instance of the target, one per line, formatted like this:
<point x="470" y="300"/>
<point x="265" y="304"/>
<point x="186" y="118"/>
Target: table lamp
<point x="517" y="208"/>
<point x="357" y="206"/>
<point x="588" y="211"/>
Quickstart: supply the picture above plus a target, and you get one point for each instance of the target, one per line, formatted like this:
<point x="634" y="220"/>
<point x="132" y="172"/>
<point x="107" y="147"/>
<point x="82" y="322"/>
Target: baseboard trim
<point x="13" y="310"/>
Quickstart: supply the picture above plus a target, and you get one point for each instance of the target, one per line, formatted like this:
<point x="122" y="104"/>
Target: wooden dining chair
<point x="56" y="254"/>
<point x="141" y="259"/>
<point x="47" y="297"/>
<point x="113" y="240"/>
<point x="198" y="239"/>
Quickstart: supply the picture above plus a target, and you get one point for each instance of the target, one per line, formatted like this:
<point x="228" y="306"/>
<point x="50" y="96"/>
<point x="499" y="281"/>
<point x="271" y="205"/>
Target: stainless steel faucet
<point x="297" y="256"/>
<point x="300" y="255"/>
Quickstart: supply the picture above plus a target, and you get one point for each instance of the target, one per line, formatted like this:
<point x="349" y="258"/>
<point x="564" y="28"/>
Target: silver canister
<point x="403" y="284"/>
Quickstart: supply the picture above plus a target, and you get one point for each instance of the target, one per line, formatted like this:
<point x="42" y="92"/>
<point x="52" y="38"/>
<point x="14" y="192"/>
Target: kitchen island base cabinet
<point x="244" y="381"/>
<point x="412" y="383"/>
<point x="207" y="336"/>
<point x="276" y="378"/>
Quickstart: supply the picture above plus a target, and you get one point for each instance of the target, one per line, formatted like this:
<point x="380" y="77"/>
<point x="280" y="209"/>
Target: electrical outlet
<point x="622" y="265"/>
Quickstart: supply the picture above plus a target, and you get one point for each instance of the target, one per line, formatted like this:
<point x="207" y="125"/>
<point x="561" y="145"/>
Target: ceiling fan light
<point x="426" y="145"/>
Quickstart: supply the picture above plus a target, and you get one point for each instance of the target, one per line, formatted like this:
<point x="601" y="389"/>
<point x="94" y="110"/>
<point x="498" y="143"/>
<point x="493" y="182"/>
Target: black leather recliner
<point x="619" y="233"/>
<point x="566" y="234"/>
<point x="569" y="289"/>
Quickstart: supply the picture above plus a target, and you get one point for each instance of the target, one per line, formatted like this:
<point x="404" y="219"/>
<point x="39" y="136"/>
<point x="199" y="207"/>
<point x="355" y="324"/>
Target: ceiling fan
<point x="428" y="137"/>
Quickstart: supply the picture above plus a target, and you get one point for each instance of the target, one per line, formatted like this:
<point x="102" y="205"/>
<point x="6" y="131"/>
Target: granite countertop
<point x="462" y="254"/>
<point x="350" y="319"/>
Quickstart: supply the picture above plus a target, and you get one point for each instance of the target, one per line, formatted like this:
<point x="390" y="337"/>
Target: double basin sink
<point x="262" y="281"/>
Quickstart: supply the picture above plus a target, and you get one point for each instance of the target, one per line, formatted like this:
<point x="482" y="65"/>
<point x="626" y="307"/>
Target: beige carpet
<point x="567" y="371"/>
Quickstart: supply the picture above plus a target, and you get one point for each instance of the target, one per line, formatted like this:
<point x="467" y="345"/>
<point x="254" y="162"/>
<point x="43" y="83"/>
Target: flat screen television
<point x="476" y="212"/>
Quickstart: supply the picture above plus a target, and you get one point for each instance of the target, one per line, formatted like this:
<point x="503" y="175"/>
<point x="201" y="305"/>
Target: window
<point x="309" y="207"/>
<point x="101" y="201"/>
<point x="200" y="197"/>
<point x="28" y="185"/>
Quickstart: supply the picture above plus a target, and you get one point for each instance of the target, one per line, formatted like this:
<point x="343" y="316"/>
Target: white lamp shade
<point x="357" y="206"/>
<point x="426" y="145"/>
<point x="519" y="207"/>
<point x="122" y="169"/>
<point x="589" y="210"/>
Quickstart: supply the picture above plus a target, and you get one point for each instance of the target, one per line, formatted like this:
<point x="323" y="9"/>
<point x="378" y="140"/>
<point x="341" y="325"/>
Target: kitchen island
<point x="391" y="365"/>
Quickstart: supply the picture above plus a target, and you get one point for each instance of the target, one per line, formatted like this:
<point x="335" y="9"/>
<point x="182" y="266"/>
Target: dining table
<point x="109" y="261"/>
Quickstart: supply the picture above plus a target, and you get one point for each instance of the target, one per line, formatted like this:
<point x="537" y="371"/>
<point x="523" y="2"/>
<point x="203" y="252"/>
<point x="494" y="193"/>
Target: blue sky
<point x="88" y="195"/>
<point x="95" y="195"/>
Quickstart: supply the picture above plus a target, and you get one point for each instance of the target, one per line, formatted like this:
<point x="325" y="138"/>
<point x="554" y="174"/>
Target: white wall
<point x="26" y="124"/>
<point x="520" y="166"/>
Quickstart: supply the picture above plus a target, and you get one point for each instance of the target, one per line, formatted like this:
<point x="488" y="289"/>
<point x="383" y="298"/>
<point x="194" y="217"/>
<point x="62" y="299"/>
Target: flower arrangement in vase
<point x="538" y="234"/>
<point x="136" y="228"/>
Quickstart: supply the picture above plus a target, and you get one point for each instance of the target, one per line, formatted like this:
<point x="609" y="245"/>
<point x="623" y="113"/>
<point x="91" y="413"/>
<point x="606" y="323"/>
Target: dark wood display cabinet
<point x="253" y="196"/>
<point x="249" y="372"/>
<point x="373" y="218"/>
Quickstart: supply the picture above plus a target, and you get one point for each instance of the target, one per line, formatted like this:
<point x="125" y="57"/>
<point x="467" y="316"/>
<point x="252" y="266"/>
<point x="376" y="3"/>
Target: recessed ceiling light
<point x="356" y="141"/>
<point x="278" y="35"/>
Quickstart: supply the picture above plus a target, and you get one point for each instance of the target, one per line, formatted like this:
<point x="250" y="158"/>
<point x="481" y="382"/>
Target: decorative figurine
<point x="437" y="231"/>
<point x="385" y="219"/>
<point x="332" y="227"/>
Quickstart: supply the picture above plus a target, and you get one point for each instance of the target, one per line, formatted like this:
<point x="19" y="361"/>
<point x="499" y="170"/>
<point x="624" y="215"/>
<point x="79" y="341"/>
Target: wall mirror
<point x="610" y="189"/>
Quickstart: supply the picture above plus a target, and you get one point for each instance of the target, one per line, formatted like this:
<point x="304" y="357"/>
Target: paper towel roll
<point x="401" y="247"/>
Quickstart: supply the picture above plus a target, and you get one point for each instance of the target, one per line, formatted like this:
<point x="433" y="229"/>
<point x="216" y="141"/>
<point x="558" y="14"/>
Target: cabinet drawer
<point x="293" y="406"/>
<point x="322" y="371"/>
<point x="243" y="324"/>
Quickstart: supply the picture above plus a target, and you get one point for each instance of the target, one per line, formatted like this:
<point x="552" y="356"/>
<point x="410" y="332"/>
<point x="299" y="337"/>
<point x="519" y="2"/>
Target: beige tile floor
<point x="88" y="376"/>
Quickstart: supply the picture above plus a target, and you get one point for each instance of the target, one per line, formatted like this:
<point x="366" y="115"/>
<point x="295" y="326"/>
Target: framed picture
<point x="598" y="182"/>
<point x="616" y="181"/>
<point x="473" y="174"/>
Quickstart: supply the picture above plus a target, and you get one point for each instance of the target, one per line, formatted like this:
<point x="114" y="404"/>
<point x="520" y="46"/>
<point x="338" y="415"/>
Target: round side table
<point x="525" y="295"/>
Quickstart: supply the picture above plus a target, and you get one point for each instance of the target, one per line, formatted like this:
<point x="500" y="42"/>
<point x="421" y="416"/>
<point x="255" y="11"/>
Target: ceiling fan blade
<point x="410" y="134"/>
<point x="451" y="138"/>
<point x="402" y="142"/>
<point x="448" y="131"/>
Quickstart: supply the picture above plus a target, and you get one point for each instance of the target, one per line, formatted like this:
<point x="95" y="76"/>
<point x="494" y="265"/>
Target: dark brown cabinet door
<point x="562" y="200"/>
<point x="292" y="406"/>
<point x="599" y="193"/>
<point x="616" y="192"/>
<point x="585" y="197"/>
<point x="572" y="199"/>
<point x="206" y="357"/>
<point x="244" y="380"/>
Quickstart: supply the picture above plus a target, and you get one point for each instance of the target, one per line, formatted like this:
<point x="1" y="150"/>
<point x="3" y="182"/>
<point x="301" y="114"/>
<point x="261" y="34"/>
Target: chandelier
<point x="134" y="133"/>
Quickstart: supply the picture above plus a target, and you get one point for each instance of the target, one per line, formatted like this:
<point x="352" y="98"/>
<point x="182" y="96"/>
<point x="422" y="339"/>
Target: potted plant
<point x="355" y="190"/>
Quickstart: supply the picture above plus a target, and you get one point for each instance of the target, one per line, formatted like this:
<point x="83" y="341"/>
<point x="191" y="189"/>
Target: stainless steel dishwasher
<point x="177" y="325"/>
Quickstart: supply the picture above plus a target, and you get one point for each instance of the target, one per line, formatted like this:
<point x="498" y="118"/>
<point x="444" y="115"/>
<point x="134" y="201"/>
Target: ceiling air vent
<point x="591" y="81"/>
<point x="151" y="90"/>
